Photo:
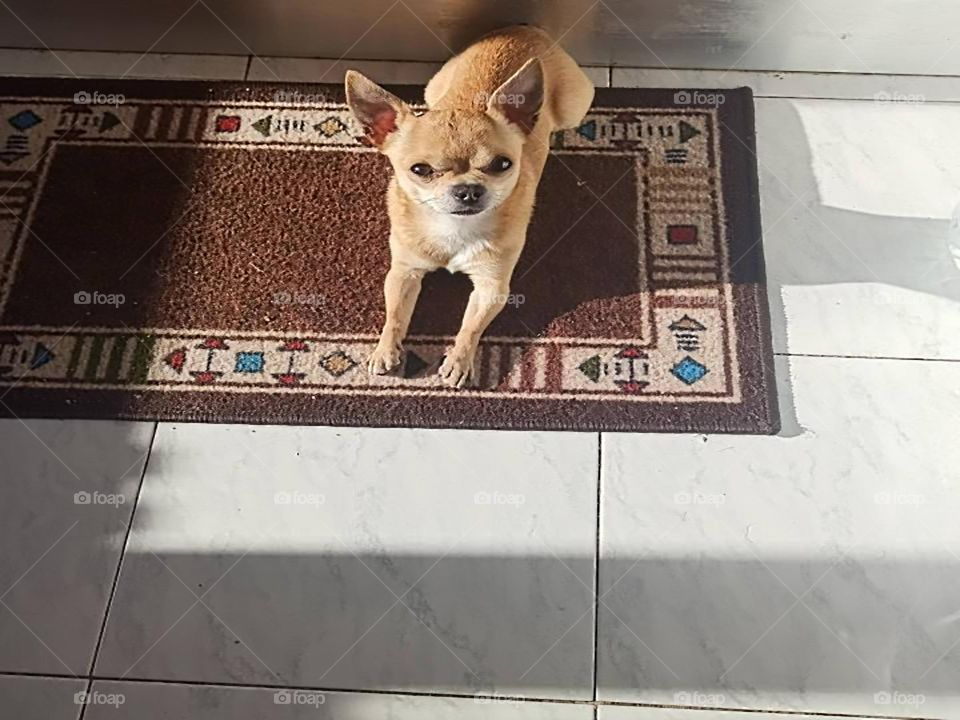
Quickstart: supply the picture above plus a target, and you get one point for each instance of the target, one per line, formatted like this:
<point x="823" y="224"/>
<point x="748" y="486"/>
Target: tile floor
<point x="157" y="570"/>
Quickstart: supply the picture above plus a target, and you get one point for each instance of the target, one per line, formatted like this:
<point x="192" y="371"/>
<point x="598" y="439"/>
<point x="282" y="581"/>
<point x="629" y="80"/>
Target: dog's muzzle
<point x="469" y="199"/>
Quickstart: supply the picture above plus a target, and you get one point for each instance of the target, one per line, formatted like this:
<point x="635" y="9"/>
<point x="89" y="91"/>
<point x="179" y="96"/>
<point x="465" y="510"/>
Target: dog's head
<point x="456" y="162"/>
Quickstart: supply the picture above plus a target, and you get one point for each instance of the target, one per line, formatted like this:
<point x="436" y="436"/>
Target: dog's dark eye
<point x="499" y="164"/>
<point x="422" y="169"/>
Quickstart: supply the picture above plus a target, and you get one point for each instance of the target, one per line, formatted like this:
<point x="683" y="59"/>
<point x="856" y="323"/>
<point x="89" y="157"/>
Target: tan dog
<point x="465" y="175"/>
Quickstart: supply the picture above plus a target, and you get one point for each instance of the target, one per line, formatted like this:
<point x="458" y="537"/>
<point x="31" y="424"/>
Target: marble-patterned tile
<point x="70" y="63"/>
<point x="66" y="499"/>
<point x="149" y="701"/>
<point x="857" y="200"/>
<point x="883" y="88"/>
<point x="36" y="698"/>
<point x="387" y="72"/>
<point x="438" y="561"/>
<point x="815" y="571"/>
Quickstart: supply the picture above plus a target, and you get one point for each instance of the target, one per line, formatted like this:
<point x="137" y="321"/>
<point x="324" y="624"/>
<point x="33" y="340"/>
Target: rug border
<point x="757" y="413"/>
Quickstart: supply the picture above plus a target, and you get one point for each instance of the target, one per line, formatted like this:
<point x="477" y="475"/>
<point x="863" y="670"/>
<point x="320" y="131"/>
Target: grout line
<point x="596" y="569"/>
<point x="123" y="554"/>
<point x="596" y="704"/>
<point x="867" y="357"/>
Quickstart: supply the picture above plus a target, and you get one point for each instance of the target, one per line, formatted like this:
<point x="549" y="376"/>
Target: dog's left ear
<point x="519" y="99"/>
<point x="378" y="111"/>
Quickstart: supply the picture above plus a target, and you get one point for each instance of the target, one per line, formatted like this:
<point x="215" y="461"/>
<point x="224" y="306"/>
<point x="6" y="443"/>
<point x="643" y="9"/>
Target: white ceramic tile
<point x="70" y="63"/>
<point x="486" y="538"/>
<point x="599" y="75"/>
<point x="32" y="698"/>
<point x="382" y="71"/>
<point x="856" y="200"/>
<point x="883" y="88"/>
<point x="144" y="701"/>
<point x="813" y="571"/>
<point x="65" y="502"/>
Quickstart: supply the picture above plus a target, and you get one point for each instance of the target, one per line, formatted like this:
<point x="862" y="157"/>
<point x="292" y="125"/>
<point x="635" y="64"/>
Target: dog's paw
<point x="384" y="358"/>
<point x="457" y="367"/>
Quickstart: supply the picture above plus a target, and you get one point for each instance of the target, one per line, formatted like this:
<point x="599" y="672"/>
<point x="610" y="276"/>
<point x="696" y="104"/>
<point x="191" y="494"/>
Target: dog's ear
<point x="519" y="99"/>
<point x="378" y="111"/>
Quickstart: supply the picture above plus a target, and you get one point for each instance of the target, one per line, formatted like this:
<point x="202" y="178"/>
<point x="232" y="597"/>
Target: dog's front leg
<point x="400" y="290"/>
<point x="486" y="301"/>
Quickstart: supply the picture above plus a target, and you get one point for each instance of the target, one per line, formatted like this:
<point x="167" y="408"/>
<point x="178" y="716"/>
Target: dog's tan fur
<point x="501" y="97"/>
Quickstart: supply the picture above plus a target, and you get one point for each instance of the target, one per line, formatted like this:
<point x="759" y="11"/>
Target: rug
<point x="215" y="252"/>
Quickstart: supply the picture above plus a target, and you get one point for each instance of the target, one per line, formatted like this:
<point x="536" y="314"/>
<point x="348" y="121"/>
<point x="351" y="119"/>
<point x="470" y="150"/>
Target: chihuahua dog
<point x="465" y="173"/>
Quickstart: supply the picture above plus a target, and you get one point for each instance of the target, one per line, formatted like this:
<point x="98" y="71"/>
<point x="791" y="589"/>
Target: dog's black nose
<point x="468" y="194"/>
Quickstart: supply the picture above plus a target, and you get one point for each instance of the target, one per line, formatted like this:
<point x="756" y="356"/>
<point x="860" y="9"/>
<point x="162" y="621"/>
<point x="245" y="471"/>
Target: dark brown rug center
<point x="203" y="252"/>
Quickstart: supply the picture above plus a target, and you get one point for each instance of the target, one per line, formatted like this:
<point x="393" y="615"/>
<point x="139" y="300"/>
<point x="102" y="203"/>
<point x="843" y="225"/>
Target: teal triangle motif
<point x="262" y="125"/>
<point x="591" y="367"/>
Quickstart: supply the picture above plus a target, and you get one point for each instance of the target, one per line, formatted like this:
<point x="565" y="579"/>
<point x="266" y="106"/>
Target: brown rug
<point x="216" y="252"/>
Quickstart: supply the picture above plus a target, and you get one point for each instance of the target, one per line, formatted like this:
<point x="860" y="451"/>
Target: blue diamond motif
<point x="249" y="362"/>
<point x="24" y="120"/>
<point x="689" y="370"/>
